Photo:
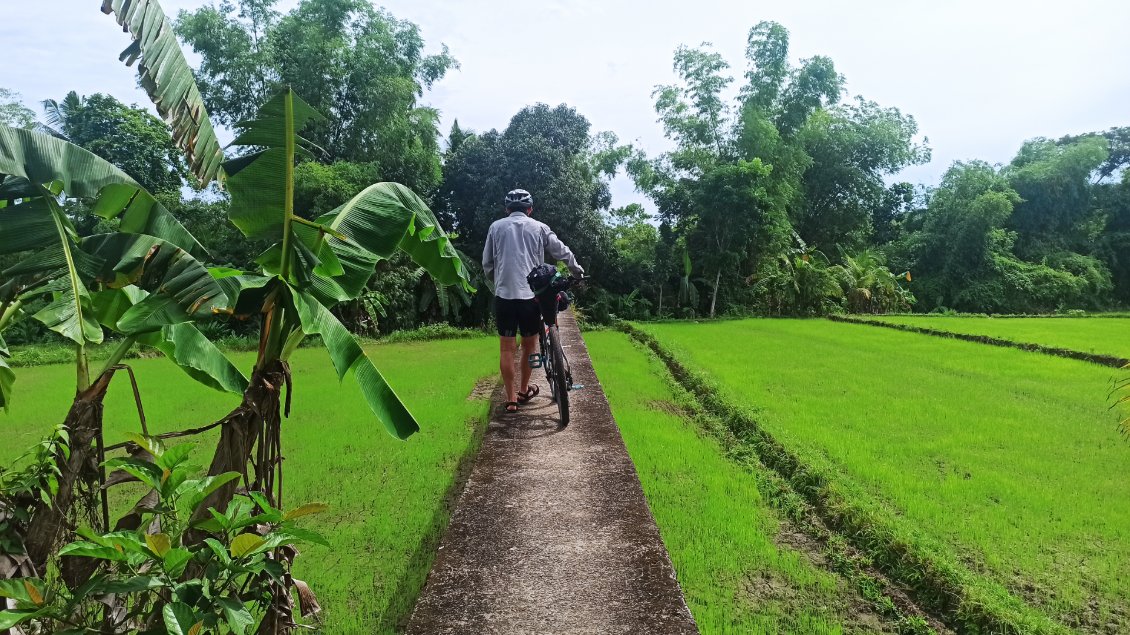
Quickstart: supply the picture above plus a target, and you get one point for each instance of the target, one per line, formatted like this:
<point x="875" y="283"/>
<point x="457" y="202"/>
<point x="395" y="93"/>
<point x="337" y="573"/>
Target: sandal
<point x="511" y="406"/>
<point x="531" y="392"/>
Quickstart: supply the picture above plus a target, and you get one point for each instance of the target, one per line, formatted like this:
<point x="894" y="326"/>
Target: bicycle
<point x="552" y="357"/>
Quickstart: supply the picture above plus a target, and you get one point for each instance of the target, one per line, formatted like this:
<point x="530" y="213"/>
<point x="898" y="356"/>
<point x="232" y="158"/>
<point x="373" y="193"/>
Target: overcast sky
<point x="979" y="76"/>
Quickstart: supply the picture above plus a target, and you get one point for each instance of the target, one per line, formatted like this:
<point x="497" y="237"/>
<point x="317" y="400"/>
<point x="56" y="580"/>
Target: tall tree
<point x="546" y="151"/>
<point x="965" y="256"/>
<point x="362" y="67"/>
<point x="852" y="149"/>
<point x="1055" y="182"/>
<point x="126" y="136"/>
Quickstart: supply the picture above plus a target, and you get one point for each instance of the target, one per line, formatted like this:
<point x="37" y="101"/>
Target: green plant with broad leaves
<point x="869" y="286"/>
<point x="145" y="284"/>
<point x="309" y="267"/>
<point x="153" y="578"/>
<point x="142" y="282"/>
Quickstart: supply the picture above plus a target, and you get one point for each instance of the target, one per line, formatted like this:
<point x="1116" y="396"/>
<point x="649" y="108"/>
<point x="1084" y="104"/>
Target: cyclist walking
<point x="515" y="245"/>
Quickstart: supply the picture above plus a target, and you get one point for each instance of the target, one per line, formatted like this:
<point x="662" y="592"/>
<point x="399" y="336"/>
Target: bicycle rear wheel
<point x="560" y="383"/>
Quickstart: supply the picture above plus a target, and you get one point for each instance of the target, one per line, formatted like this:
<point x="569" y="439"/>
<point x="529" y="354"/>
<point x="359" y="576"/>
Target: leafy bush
<point x="428" y="332"/>
<point x="161" y="574"/>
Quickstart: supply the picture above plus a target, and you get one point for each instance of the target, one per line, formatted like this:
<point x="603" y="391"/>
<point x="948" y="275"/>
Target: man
<point x="515" y="245"/>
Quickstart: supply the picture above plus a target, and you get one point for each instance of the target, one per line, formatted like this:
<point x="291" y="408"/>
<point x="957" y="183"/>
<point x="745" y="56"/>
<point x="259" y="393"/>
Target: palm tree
<point x="59" y="114"/>
<point x="869" y="287"/>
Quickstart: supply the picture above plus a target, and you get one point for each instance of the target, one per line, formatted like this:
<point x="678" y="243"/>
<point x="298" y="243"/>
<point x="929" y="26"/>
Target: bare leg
<point x="506" y="350"/>
<point x="529" y="347"/>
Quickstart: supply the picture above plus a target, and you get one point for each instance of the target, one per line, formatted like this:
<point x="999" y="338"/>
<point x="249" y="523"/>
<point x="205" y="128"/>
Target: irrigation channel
<point x="552" y="533"/>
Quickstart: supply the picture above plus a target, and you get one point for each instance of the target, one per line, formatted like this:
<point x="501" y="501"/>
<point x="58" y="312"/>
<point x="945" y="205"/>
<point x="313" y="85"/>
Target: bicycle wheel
<point x="559" y="385"/>
<point x="547" y="363"/>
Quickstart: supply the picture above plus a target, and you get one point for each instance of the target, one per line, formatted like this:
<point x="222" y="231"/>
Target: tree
<point x="12" y="111"/>
<point x="362" y="67"/>
<point x="964" y="256"/>
<point x="869" y="287"/>
<point x="1054" y="183"/>
<point x="547" y="151"/>
<point x="128" y="137"/>
<point x="715" y="189"/>
<point x="852" y="149"/>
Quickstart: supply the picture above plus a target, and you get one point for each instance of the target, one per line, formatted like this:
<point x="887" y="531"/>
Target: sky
<point x="980" y="77"/>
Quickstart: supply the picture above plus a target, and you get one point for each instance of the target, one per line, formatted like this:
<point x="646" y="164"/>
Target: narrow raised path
<point x="552" y="533"/>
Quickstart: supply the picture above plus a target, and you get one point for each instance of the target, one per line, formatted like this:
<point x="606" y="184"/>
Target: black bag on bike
<point x="541" y="279"/>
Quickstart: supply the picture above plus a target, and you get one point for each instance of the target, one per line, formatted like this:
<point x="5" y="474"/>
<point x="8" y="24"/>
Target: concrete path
<point x="552" y="533"/>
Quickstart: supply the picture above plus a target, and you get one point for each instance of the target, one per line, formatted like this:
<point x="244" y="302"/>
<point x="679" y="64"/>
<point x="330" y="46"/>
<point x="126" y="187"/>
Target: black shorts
<point x="517" y="316"/>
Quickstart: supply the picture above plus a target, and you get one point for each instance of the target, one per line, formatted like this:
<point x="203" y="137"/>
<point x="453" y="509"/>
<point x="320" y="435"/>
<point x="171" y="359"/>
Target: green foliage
<point x="801" y="283"/>
<point x="167" y="78"/>
<point x="964" y="256"/>
<point x="208" y="221"/>
<point x="869" y="287"/>
<point x="128" y="137"/>
<point x="429" y="333"/>
<point x="155" y="574"/>
<point x="361" y="66"/>
<point x="141" y="281"/>
<point x="312" y="265"/>
<point x="12" y="111"/>
<point x="546" y="151"/>
<point x="852" y="149"/>
<point x="26" y="483"/>
<point x="320" y="188"/>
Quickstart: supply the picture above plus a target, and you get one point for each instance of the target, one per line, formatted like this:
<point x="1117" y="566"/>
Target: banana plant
<point x="142" y="282"/>
<point x="311" y="264"/>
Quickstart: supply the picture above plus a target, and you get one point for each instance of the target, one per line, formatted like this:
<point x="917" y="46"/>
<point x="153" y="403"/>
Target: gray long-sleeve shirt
<point x="515" y="245"/>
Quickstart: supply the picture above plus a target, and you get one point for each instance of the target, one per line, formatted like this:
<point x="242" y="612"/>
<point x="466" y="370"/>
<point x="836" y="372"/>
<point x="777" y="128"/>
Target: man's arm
<point x="488" y="258"/>
<point x="558" y="251"/>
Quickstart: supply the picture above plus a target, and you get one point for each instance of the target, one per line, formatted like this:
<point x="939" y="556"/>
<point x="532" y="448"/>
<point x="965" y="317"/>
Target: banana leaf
<point x="347" y="355"/>
<point x="29" y="159"/>
<point x="167" y="78"/>
<point x="182" y="287"/>
<point x="385" y="217"/>
<point x="197" y="356"/>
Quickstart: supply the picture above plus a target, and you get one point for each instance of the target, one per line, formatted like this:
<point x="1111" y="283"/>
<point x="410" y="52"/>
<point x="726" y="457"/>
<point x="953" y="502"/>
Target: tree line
<point x="779" y="197"/>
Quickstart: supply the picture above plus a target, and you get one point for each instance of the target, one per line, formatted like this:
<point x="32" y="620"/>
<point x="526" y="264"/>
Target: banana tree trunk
<point x="253" y="427"/>
<point x="51" y="524"/>
<point x="714" y="296"/>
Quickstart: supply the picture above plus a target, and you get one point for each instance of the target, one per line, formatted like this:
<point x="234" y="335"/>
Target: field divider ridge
<point x="1094" y="358"/>
<point x="938" y="584"/>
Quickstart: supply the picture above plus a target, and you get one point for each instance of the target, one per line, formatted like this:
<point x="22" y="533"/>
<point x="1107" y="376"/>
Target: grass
<point x="388" y="499"/>
<point x="990" y="461"/>
<point x="719" y="530"/>
<point x="1095" y="335"/>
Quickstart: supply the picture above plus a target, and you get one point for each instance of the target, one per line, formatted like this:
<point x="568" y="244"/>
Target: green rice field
<point x="388" y="499"/>
<point x="1003" y="464"/>
<point x="718" y="529"/>
<point x="1001" y="468"/>
<point x="1094" y="335"/>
